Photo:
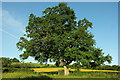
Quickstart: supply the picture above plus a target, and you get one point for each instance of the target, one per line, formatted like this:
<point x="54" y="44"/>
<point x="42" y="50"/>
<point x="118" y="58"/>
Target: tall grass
<point x="20" y="73"/>
<point x="94" y="74"/>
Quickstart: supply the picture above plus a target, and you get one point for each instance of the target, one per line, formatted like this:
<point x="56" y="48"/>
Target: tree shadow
<point x="52" y="73"/>
<point x="42" y="77"/>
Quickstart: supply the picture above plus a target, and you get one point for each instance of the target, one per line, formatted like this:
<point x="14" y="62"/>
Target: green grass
<point x="95" y="74"/>
<point x="72" y="75"/>
<point x="28" y="74"/>
<point x="18" y="73"/>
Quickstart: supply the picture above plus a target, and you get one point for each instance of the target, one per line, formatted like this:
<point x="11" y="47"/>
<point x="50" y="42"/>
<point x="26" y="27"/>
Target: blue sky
<point x="104" y="17"/>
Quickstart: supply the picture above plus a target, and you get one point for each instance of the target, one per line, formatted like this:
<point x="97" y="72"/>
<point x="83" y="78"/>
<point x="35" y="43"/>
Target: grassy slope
<point x="24" y="74"/>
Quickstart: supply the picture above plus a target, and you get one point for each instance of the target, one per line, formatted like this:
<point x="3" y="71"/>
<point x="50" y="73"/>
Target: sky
<point x="103" y="15"/>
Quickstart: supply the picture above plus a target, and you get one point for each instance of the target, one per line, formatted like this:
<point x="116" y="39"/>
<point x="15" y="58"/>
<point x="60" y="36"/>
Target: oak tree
<point x="58" y="37"/>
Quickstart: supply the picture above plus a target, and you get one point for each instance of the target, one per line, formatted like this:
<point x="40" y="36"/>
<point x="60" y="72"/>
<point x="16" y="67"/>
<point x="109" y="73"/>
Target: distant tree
<point x="5" y="62"/>
<point x="14" y="60"/>
<point x="57" y="36"/>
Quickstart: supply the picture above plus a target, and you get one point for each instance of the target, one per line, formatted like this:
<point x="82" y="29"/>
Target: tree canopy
<point x="58" y="37"/>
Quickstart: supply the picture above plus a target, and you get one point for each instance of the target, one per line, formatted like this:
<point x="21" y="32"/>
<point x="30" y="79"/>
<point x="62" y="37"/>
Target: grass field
<point x="52" y="73"/>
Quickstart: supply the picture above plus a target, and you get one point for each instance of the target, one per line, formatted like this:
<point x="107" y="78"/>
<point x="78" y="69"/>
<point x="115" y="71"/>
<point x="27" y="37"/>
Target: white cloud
<point x="10" y="22"/>
<point x="8" y="33"/>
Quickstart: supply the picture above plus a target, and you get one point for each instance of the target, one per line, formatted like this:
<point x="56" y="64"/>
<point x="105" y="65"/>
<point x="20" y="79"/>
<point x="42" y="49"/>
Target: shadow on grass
<point x="43" y="77"/>
<point x="48" y="78"/>
<point x="52" y="73"/>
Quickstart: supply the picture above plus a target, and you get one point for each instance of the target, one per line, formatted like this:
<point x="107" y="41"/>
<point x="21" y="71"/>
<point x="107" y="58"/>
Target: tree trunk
<point x="66" y="70"/>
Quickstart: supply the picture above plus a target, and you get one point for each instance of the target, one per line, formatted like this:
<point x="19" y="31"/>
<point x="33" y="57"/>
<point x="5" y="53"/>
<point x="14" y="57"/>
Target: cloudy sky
<point x="104" y="17"/>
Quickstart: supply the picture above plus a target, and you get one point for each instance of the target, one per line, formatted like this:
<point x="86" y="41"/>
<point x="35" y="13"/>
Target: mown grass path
<point x="56" y="69"/>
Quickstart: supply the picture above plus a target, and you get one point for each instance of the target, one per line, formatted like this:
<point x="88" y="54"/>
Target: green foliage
<point x="31" y="65"/>
<point x="60" y="72"/>
<point x="57" y="36"/>
<point x="52" y="65"/>
<point x="21" y="65"/>
<point x="108" y="67"/>
<point x="75" y="65"/>
<point x="25" y="65"/>
<point x="6" y="70"/>
<point x="5" y="62"/>
<point x="14" y="60"/>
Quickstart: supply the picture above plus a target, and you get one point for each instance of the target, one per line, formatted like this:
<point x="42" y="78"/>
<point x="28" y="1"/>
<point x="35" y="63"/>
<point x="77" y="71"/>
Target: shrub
<point x="52" y="65"/>
<point x="15" y="70"/>
<point x="25" y="65"/>
<point x="108" y="67"/>
<point x="8" y="70"/>
<point x="4" y="70"/>
<point x="5" y="62"/>
<point x="60" y="72"/>
<point x="14" y="60"/>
